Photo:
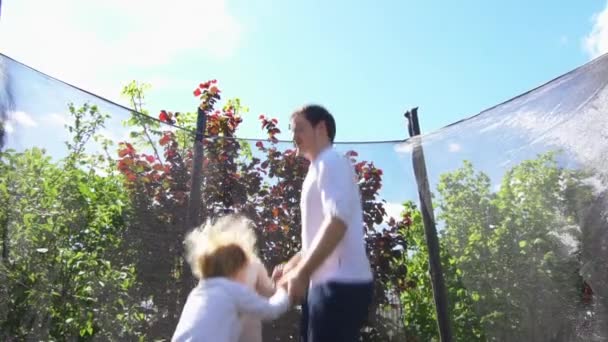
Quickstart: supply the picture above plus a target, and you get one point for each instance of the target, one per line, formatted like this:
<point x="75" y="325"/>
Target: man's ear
<point x="322" y="128"/>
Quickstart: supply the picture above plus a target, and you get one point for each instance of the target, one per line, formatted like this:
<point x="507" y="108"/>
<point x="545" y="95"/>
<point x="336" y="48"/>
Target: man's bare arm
<point x="293" y="262"/>
<point x="323" y="245"/>
<point x="281" y="270"/>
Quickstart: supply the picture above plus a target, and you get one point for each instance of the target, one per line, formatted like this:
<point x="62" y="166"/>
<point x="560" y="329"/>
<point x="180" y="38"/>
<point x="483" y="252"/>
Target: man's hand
<point x="297" y="284"/>
<point x="282" y="269"/>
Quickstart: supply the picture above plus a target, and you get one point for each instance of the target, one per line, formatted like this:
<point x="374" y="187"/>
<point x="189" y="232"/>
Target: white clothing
<point x="330" y="190"/>
<point x="214" y="307"/>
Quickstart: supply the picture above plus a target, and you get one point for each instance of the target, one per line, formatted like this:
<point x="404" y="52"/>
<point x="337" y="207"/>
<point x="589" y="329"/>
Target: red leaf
<point x="275" y="212"/>
<point x="164" y="140"/>
<point x="197" y="92"/>
<point x="150" y="159"/>
<point x="259" y="144"/>
<point x="163" y="116"/>
<point x="261" y="117"/>
<point x="407" y="219"/>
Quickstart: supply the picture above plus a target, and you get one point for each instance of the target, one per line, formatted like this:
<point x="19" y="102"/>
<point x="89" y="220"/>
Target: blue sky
<point x="366" y="63"/>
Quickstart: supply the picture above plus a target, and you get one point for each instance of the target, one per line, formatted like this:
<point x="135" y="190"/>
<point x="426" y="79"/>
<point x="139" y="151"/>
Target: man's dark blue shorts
<point x="335" y="312"/>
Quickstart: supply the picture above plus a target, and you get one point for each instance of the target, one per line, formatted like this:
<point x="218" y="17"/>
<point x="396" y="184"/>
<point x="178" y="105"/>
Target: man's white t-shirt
<point x="330" y="190"/>
<point x="214" y="309"/>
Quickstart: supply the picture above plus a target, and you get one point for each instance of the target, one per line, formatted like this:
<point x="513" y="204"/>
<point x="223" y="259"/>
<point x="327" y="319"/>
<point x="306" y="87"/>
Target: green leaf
<point x="523" y="243"/>
<point x="85" y="190"/>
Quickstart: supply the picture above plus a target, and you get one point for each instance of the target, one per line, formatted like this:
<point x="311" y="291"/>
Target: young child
<point x="235" y="229"/>
<point x="222" y="301"/>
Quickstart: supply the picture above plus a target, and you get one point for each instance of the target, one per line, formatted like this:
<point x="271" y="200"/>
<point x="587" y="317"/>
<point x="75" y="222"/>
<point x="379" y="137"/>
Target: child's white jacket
<point x="212" y="311"/>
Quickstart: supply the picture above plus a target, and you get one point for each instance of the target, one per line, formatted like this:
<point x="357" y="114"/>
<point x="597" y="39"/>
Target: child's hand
<point x="277" y="273"/>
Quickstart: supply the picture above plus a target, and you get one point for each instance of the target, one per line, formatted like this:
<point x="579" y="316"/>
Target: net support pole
<point x="193" y="216"/>
<point x="430" y="230"/>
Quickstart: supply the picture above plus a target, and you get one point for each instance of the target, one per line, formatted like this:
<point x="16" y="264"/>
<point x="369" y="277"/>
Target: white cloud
<point x="393" y="210"/>
<point x="156" y="33"/>
<point x="114" y="135"/>
<point x="454" y="147"/>
<point x="405" y="147"/>
<point x="55" y="119"/>
<point x="96" y="45"/>
<point x="108" y="135"/>
<point x="8" y="128"/>
<point x="22" y="119"/>
<point x="596" y="42"/>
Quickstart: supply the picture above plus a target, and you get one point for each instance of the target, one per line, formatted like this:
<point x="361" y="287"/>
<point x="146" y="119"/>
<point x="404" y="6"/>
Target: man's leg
<point x="337" y="311"/>
<point x="304" y="321"/>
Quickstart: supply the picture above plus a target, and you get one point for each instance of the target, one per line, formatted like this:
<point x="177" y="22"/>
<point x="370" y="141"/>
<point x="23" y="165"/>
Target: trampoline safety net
<point x="94" y="211"/>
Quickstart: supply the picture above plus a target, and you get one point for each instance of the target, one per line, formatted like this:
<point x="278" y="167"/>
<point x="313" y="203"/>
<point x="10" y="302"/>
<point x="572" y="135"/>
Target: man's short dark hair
<point x="315" y="114"/>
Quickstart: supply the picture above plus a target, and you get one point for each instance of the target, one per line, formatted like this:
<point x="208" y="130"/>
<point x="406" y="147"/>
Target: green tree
<point x="419" y="317"/>
<point x="515" y="250"/>
<point x="510" y="258"/>
<point x="62" y="275"/>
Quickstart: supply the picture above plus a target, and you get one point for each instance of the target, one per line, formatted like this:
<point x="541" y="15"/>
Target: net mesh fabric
<point x="92" y="230"/>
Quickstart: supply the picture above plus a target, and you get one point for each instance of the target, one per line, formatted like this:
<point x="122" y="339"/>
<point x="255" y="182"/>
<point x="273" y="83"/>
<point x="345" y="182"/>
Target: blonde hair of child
<point x="224" y="261"/>
<point x="214" y="238"/>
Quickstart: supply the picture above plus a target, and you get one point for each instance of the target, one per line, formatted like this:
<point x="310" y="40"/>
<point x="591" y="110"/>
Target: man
<point x="332" y="269"/>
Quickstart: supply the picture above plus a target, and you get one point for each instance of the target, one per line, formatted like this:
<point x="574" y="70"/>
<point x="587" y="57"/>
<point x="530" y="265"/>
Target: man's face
<point x="304" y="136"/>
